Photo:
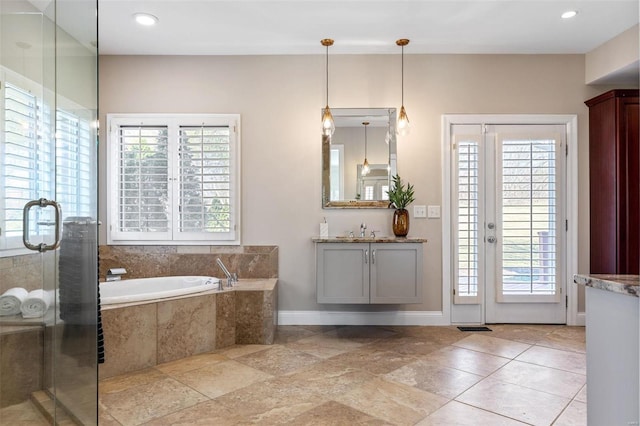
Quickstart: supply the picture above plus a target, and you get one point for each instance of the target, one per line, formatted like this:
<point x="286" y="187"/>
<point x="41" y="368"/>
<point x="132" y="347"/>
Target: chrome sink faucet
<point x="363" y="228"/>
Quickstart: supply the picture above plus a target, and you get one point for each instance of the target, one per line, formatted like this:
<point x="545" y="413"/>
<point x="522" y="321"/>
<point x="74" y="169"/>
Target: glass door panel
<point x="508" y="230"/>
<point x="48" y="105"/>
<point x="75" y="350"/>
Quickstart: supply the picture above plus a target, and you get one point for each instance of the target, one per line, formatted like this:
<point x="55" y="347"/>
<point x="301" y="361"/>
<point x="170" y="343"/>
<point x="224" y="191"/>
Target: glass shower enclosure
<point x="48" y="212"/>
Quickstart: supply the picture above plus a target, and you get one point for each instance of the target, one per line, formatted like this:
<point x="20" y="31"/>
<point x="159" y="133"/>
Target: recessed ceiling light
<point x="146" y="19"/>
<point x="569" y="14"/>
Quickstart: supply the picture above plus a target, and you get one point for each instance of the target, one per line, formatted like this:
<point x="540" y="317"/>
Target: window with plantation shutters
<point x="39" y="163"/>
<point x="27" y="158"/>
<point x="176" y="179"/>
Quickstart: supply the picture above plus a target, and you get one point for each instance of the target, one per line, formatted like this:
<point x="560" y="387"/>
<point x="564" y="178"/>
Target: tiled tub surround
<point x="141" y="335"/>
<point x="163" y="261"/>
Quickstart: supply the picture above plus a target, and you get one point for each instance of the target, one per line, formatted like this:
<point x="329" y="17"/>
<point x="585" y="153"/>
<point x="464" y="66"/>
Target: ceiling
<point x="245" y="27"/>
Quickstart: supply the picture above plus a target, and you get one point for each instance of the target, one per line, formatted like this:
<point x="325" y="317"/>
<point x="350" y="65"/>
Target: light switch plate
<point x="433" y="212"/>
<point x="419" y="211"/>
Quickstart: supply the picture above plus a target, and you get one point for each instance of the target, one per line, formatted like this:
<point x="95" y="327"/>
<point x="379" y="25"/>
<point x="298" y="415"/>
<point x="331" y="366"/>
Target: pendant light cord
<point x="365" y="141"/>
<point x="402" y="75"/>
<point x="327" y="69"/>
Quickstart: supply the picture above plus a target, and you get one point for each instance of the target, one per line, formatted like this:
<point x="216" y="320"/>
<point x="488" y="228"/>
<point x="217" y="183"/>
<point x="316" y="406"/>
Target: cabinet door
<point x="396" y="273"/>
<point x="342" y="273"/>
<point x="614" y="176"/>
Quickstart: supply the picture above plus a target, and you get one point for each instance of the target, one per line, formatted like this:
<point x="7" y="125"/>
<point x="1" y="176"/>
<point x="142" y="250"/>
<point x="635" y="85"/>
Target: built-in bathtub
<point x="148" y="332"/>
<point x="141" y="289"/>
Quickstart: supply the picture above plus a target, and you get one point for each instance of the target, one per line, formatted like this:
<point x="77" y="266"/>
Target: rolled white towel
<point x="11" y="300"/>
<point x="36" y="304"/>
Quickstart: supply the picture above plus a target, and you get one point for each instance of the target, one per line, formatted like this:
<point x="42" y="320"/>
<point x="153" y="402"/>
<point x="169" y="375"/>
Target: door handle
<point x="366" y="256"/>
<point x="42" y="247"/>
<point x="373" y="257"/>
<point x="491" y="239"/>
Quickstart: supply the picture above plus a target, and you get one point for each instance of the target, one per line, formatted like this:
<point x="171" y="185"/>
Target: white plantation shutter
<point x="205" y="198"/>
<point x="75" y="153"/>
<point x="28" y="169"/>
<point x="467" y="261"/>
<point x="142" y="182"/>
<point x="527" y="194"/>
<point x="176" y="181"/>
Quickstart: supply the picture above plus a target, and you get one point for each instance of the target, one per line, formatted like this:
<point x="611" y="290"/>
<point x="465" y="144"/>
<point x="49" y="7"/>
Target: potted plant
<point x="399" y="198"/>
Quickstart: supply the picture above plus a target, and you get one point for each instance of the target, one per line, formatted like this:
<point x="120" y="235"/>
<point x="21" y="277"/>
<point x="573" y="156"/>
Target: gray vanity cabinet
<point x="365" y="273"/>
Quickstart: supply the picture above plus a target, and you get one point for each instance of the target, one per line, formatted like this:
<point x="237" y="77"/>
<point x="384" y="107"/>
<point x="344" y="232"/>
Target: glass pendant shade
<point x="328" y="125"/>
<point x="365" y="168"/>
<point x="365" y="164"/>
<point x="403" y="122"/>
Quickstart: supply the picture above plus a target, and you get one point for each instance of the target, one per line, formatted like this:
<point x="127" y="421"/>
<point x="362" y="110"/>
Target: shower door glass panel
<point x="48" y="107"/>
<point x="75" y="333"/>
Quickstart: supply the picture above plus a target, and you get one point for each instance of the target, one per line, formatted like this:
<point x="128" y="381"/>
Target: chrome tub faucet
<point x="115" y="274"/>
<point x="231" y="278"/>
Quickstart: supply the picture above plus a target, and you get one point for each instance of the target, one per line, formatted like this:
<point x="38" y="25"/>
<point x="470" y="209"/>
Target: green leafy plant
<point x="399" y="196"/>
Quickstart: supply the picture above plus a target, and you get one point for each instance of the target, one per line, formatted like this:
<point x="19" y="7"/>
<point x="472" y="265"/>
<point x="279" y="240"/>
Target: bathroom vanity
<point x="613" y="353"/>
<point x="369" y="270"/>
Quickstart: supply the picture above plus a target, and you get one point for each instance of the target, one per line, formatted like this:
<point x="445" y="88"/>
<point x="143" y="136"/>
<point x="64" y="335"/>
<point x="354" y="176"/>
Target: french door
<point x="508" y="223"/>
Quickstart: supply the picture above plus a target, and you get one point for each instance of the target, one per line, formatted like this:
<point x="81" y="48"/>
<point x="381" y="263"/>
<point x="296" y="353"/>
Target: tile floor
<point x="513" y="375"/>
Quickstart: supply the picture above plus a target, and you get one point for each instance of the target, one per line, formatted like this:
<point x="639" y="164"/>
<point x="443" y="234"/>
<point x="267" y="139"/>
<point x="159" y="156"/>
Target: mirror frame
<point x="326" y="158"/>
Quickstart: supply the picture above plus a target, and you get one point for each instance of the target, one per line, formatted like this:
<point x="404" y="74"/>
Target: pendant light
<point x="328" y="126"/>
<point x="403" y="120"/>
<point x="365" y="163"/>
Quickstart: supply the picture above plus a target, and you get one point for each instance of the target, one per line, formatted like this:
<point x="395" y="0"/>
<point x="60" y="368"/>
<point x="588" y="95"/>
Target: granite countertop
<point x="624" y="284"/>
<point x="368" y="240"/>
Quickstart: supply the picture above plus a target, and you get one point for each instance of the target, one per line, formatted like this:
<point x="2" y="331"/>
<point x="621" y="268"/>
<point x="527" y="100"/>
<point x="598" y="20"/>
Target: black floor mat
<point x="475" y="328"/>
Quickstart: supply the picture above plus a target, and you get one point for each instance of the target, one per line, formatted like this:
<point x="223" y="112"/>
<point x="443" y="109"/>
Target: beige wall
<point x="618" y="56"/>
<point x="279" y="99"/>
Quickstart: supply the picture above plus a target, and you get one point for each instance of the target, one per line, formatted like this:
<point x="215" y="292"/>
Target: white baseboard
<point x="362" y="318"/>
<point x="581" y="319"/>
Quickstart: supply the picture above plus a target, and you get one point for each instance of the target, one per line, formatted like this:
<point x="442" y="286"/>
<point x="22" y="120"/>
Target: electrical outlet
<point x="419" y="211"/>
<point x="433" y="212"/>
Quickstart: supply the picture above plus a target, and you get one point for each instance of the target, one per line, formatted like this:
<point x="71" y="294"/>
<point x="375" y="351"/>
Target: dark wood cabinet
<point x="614" y="182"/>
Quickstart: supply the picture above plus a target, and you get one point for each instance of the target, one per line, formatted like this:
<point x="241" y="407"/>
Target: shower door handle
<point x="42" y="202"/>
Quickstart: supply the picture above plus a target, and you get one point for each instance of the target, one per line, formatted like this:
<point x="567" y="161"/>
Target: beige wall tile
<point x="225" y="319"/>
<point x="186" y="327"/>
<point x="130" y="336"/>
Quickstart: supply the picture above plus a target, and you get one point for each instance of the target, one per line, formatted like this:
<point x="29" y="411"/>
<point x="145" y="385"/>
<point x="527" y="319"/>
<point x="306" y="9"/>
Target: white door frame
<point x="571" y="191"/>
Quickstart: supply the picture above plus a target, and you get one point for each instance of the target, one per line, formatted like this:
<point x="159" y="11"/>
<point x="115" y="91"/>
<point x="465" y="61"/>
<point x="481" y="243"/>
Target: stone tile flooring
<point x="326" y="375"/>
<point x="360" y="375"/>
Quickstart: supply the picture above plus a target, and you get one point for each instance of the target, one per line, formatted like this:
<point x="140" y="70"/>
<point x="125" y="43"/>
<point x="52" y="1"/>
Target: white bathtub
<point x="140" y="289"/>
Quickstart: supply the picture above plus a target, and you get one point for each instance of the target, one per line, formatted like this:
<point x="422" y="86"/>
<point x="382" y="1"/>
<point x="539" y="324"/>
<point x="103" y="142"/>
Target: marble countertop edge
<point x="368" y="240"/>
<point x="623" y="284"/>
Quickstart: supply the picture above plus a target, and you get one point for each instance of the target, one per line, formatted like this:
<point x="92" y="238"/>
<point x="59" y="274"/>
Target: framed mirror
<point x="361" y="133"/>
